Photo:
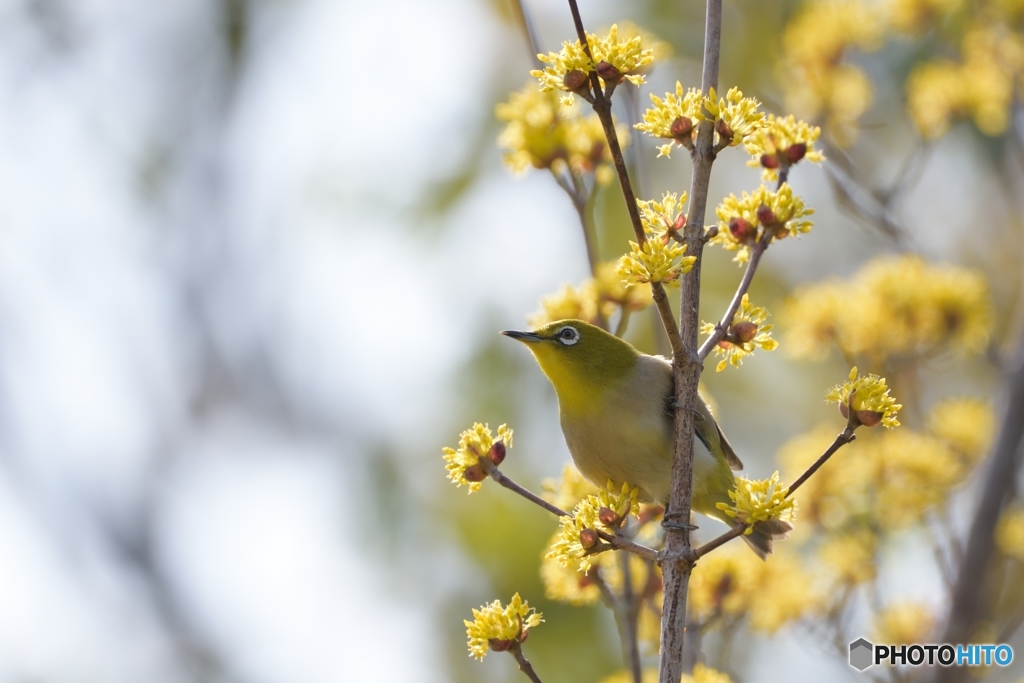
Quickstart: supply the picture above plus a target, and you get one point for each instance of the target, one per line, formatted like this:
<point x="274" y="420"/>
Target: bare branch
<point x="516" y="650"/>
<point x="844" y="438"/>
<point x="722" y="327"/>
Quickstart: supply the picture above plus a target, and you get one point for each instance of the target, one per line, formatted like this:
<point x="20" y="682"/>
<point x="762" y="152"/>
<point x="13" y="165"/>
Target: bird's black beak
<point x="525" y="337"/>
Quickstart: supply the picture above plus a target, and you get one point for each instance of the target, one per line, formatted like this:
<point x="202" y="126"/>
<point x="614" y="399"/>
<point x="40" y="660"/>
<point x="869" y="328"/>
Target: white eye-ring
<point x="568" y="335"/>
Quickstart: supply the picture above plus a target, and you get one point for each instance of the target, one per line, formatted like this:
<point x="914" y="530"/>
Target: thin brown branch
<point x="603" y="107"/>
<point x="614" y="540"/>
<point x="501" y="478"/>
<point x="630" y="612"/>
<point x="718" y="542"/>
<point x="844" y="438"/>
<point x="722" y="327"/>
<point x="686" y="369"/>
<point x="516" y="651"/>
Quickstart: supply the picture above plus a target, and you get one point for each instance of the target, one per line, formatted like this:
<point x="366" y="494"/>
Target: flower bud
<point x="769" y="161"/>
<point x="497" y="452"/>
<point x="796" y="152"/>
<point x="844" y="410"/>
<point x="869" y="418"/>
<point x="650" y="512"/>
<point x="574" y="80"/>
<point x="608" y="72"/>
<point x="740" y="228"/>
<point x="723" y="129"/>
<point x="608" y="517"/>
<point x="499" y="645"/>
<point x="585" y="580"/>
<point x="680" y="222"/>
<point x="766" y="215"/>
<point x="588" y="538"/>
<point x="724" y="344"/>
<point x="474" y="473"/>
<point x="744" y="330"/>
<point x="681" y="127"/>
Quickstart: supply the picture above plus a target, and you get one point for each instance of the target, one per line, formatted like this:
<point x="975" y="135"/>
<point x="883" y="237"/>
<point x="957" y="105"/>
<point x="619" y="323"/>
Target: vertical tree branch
<point x="686" y="369"/>
<point x="968" y="594"/>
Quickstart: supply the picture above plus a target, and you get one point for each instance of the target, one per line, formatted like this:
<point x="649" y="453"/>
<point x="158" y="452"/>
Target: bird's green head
<point x="581" y="360"/>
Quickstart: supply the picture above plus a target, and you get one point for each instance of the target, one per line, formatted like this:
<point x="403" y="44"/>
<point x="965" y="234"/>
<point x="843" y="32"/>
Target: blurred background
<point x="254" y="256"/>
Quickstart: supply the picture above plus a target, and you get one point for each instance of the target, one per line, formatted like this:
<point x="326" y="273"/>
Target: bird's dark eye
<point x="568" y="335"/>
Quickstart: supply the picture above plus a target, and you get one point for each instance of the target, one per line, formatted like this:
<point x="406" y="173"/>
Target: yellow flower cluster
<point x="850" y="557"/>
<point x="463" y="463"/>
<point x="738" y="117"/>
<point x="743" y="221"/>
<point x="675" y="117"/>
<point x="756" y="501"/>
<point x="981" y="87"/>
<point x="904" y="622"/>
<point x="782" y="143"/>
<point x="731" y="583"/>
<point x="655" y="261"/>
<point x="746" y="333"/>
<point x="565" y="584"/>
<point x="701" y="674"/>
<point x="1010" y="533"/>
<point x="569" y="489"/>
<point x="602" y="294"/>
<point x="891" y="307"/>
<point x="819" y="85"/>
<point x="868" y="397"/>
<point x="544" y="133"/>
<point x="660" y="218"/>
<point x="613" y="59"/>
<point x="580" y="528"/>
<point x="495" y="627"/>
<point x="965" y="424"/>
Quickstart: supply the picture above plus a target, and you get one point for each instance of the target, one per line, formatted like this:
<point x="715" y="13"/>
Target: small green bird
<point x="616" y="409"/>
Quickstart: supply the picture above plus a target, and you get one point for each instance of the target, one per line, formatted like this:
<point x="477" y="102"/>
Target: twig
<point x="722" y="327"/>
<point x="844" y="438"/>
<point x="714" y="543"/>
<point x="603" y="107"/>
<point x="516" y="651"/>
<point x="686" y="369"/>
<point x="629" y="618"/>
<point x="614" y="540"/>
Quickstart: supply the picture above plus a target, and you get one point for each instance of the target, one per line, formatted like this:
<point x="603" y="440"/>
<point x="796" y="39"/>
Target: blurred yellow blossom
<point x="603" y="294"/>
<point x="612" y="291"/>
<point x="786" y="592"/>
<point x="743" y="221"/>
<point x="756" y="501"/>
<point x="565" y="584"/>
<point x="981" y="87"/>
<point x="746" y="333"/>
<point x="1009" y="533"/>
<point x="819" y="85"/>
<point x="966" y="424"/>
<point x="782" y="143"/>
<point x="892" y="306"/>
<point x="655" y="261"/>
<point x="722" y="582"/>
<point x="850" y="557"/>
<point x="869" y="398"/>
<point x="701" y="674"/>
<point x="904" y="622"/>
<point x="543" y="133"/>
<point x="496" y="627"/>
<point x="916" y="16"/>
<point x="613" y="59"/>
<point x="568" y="303"/>
<point x="463" y="463"/>
<point x="569" y="490"/>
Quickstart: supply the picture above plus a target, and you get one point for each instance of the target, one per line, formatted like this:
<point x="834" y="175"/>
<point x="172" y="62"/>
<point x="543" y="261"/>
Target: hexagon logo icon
<point x="861" y="652"/>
